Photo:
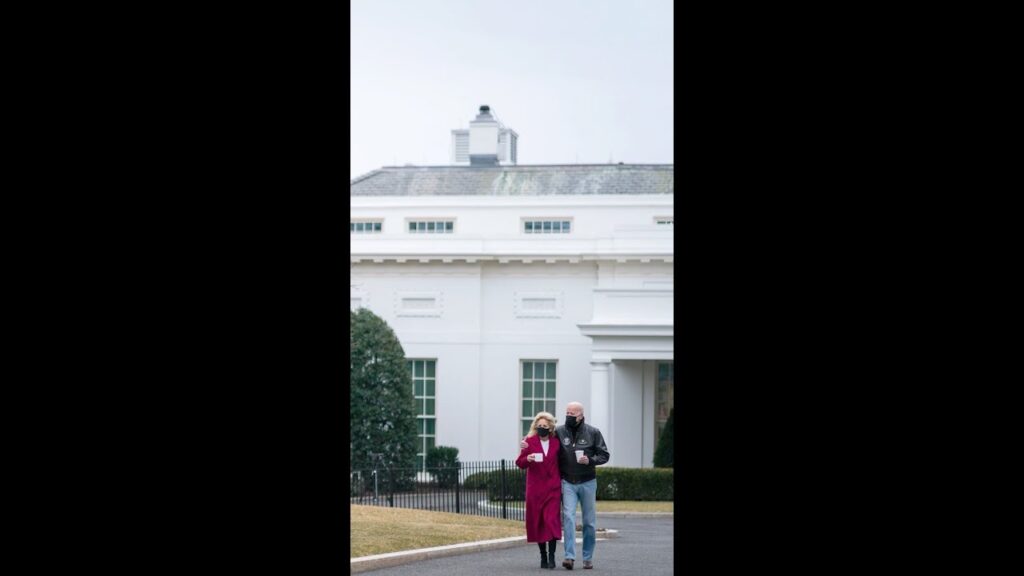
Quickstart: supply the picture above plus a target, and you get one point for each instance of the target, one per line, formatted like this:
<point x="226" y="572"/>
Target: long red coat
<point x="543" y="491"/>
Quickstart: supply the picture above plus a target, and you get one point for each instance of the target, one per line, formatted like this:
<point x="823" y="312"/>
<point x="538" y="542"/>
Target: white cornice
<point x="648" y="247"/>
<point x="538" y="259"/>
<point x="626" y="329"/>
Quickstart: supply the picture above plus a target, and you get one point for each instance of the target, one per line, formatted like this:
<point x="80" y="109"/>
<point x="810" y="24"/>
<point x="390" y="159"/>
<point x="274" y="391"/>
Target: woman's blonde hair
<point x="541" y="416"/>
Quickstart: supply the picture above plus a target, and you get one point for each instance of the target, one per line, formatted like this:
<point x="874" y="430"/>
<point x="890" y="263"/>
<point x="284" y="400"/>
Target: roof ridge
<point x="363" y="177"/>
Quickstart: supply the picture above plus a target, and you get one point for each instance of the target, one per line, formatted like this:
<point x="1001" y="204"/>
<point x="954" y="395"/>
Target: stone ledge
<point x="390" y="559"/>
<point x="632" y="515"/>
<point x="407" y="556"/>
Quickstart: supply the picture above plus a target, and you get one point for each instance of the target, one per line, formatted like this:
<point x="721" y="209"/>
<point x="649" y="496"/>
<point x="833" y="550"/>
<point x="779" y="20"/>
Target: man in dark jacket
<point x="579" y="481"/>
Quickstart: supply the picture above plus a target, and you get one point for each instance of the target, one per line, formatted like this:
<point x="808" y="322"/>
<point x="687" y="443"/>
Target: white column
<point x="599" y="412"/>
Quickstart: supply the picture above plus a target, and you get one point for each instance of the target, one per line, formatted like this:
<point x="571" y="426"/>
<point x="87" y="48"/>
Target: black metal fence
<point x="496" y="489"/>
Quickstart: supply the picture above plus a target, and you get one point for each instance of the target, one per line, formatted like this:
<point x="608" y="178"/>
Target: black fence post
<point x="504" y="503"/>
<point x="458" y="480"/>
<point x="391" y="487"/>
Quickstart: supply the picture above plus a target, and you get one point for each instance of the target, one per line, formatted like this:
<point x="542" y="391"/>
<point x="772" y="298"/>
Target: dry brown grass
<point x="376" y="530"/>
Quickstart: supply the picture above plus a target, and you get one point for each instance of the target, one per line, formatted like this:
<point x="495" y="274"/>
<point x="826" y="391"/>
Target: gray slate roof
<point x="573" y="179"/>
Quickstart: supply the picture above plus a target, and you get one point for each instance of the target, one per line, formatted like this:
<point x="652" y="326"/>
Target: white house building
<point x="515" y="289"/>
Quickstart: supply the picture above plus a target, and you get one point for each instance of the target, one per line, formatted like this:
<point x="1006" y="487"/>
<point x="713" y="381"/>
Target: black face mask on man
<point x="543" y="432"/>
<point x="571" y="421"/>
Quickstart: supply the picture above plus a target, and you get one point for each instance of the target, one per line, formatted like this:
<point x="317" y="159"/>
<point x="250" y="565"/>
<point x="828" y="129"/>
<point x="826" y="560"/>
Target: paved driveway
<point x="644" y="547"/>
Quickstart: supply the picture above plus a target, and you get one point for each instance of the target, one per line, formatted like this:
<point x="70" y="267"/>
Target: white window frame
<point x="519" y="385"/>
<point x="425" y="396"/>
<point x="523" y="220"/>
<point x="434" y="220"/>
<point x="354" y="221"/>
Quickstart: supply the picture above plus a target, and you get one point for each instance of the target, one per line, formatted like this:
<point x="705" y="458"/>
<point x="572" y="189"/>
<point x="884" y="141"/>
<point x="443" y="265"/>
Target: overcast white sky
<point x="579" y="80"/>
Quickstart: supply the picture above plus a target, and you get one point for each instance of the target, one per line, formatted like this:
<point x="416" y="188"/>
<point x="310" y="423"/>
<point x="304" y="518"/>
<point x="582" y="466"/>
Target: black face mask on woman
<point x="543" y="432"/>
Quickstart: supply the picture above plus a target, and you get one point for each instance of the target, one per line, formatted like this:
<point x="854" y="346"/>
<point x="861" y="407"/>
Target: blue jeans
<point x="586" y="495"/>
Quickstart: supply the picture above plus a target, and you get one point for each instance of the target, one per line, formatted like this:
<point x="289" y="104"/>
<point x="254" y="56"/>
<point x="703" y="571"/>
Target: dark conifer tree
<point x="663" y="454"/>
<point x="383" y="415"/>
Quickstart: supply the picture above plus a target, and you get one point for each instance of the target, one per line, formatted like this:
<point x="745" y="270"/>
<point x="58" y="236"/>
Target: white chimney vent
<point x="486" y="143"/>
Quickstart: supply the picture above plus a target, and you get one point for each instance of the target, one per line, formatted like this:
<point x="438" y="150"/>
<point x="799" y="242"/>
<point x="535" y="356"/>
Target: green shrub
<point x="443" y="462"/>
<point x="663" y="454"/>
<point x="477" y="481"/>
<point x="645" y="484"/>
<point x="515" y="483"/>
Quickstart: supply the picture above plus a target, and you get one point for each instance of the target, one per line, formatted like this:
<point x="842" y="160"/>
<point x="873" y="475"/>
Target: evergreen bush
<point x="645" y="484"/>
<point x="663" y="454"/>
<point x="443" y="462"/>
<point x="515" y="483"/>
<point x="383" y="415"/>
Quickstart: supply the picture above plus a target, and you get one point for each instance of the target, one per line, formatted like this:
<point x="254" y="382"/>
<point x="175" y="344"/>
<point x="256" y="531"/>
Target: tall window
<point x="538" y="388"/>
<point x="424" y="382"/>
<point x="664" y="398"/>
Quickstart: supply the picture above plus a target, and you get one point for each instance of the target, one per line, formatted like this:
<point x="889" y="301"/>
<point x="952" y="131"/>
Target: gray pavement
<point x="644" y="546"/>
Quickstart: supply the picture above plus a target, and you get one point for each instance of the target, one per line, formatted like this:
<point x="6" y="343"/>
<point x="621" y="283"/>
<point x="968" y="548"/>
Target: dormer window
<point x="547" y="225"/>
<point x="366" y="226"/>
<point x="431" y="226"/>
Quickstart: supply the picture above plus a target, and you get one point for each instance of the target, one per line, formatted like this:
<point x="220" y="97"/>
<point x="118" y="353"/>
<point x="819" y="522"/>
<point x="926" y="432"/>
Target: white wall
<point x="479" y="340"/>
<point x="627" y="414"/>
<point x="508" y="339"/>
<point x="493" y="217"/>
<point x="478" y="332"/>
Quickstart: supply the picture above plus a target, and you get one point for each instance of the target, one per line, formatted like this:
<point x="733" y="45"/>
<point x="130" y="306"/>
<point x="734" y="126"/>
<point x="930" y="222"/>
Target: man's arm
<point x="563" y="459"/>
<point x="601" y="455"/>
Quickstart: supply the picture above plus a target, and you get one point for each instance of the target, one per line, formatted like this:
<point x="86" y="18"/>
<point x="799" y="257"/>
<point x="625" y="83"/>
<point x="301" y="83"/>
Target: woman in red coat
<point x="543" y="487"/>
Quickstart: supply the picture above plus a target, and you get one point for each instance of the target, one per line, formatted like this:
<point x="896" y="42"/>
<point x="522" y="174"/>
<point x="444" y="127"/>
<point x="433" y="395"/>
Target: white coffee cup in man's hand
<point x="581" y="457"/>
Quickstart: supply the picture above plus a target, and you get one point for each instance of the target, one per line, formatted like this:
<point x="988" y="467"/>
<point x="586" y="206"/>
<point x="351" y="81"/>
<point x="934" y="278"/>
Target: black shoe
<point x="543" y="560"/>
<point x="551" y="560"/>
<point x="567" y="563"/>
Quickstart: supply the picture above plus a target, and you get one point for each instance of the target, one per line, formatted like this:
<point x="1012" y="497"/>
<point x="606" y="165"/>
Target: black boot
<point x="551" y="555"/>
<point x="543" y="556"/>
